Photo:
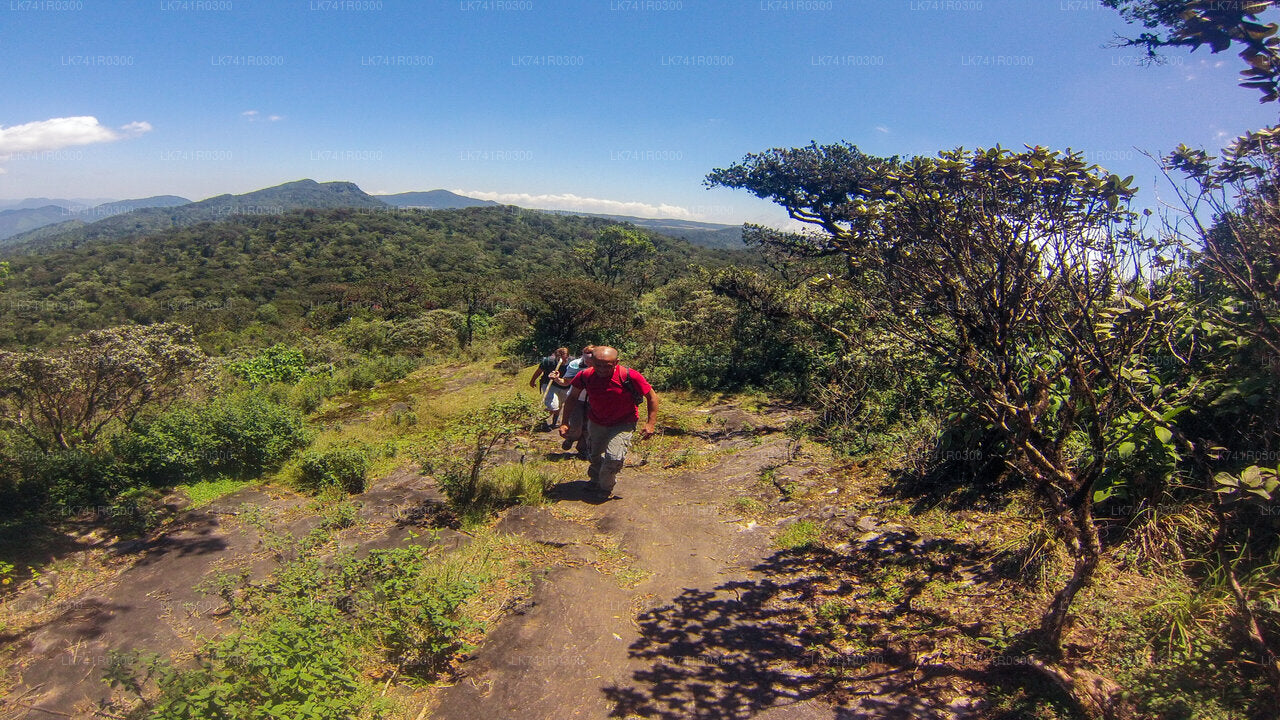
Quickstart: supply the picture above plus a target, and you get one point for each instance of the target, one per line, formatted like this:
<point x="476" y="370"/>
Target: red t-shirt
<point x="610" y="403"/>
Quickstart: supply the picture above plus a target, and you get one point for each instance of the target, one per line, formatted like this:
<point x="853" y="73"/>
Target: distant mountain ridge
<point x="20" y="220"/>
<point x="50" y="226"/>
<point x="712" y="235"/>
<point x="297" y="195"/>
<point x="72" y="204"/>
<point x="24" y="218"/>
<point x="433" y="200"/>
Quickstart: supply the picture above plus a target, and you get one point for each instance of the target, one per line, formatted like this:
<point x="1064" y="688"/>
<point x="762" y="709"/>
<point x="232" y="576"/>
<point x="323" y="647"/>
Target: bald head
<point x="604" y="358"/>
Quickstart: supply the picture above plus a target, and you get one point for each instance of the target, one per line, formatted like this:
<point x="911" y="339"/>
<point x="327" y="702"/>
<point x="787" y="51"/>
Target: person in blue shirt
<point x="577" y="420"/>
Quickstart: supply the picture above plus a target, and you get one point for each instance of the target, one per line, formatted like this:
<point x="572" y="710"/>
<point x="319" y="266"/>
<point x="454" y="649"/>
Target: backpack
<point x="637" y="397"/>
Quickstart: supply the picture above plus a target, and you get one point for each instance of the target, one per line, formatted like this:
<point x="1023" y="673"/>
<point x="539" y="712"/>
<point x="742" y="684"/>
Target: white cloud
<point x="57" y="133"/>
<point x="881" y="128"/>
<point x="255" y="116"/>
<point x="569" y="201"/>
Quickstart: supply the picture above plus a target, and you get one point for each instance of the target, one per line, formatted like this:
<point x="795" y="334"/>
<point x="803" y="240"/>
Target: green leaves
<point x="619" y="254"/>
<point x="1253" y="482"/>
<point x="344" y="467"/>
<point x="278" y="363"/>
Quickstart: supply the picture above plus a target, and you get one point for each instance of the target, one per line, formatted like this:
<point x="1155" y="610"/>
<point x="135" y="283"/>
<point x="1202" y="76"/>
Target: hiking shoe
<point x="567" y="443"/>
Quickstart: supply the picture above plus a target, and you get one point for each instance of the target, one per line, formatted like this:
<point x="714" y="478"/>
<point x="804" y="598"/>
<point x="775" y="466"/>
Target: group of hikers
<point x="595" y="404"/>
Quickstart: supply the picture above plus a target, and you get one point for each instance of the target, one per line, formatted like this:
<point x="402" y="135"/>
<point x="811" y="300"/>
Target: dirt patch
<point x="153" y="605"/>
<point x="685" y="607"/>
<point x="682" y="608"/>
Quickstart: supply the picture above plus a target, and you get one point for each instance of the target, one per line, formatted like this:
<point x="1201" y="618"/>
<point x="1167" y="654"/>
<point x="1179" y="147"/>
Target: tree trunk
<point x="1054" y="620"/>
<point x="1270" y="663"/>
<point x="1097" y="696"/>
<point x="1088" y="552"/>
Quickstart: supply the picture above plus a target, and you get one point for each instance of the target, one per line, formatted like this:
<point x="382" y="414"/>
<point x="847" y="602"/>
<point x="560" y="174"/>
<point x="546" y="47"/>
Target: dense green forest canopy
<point x="269" y="276"/>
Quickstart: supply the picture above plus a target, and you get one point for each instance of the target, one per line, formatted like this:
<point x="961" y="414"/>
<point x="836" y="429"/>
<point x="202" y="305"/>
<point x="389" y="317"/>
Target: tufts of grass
<point x="1162" y="536"/>
<point x="515" y="484"/>
<point x="798" y="535"/>
<point x="749" y="507"/>
<point x="1034" y="556"/>
<point x="204" y="492"/>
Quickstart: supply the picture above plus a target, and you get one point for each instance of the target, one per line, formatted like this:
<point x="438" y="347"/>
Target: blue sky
<point x="602" y="106"/>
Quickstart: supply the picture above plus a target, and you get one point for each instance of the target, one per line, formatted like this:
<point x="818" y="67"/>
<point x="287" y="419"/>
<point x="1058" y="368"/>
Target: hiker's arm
<point x="651" y="419"/>
<point x="570" y="407"/>
<point x="533" y="381"/>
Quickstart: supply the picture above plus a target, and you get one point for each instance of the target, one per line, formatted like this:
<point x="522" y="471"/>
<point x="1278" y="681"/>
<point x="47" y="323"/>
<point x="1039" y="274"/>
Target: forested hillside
<point x="174" y="212"/>
<point x="266" y="276"/>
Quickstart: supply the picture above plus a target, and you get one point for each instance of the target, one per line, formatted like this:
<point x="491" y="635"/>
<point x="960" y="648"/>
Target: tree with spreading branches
<point x="1025" y="277"/>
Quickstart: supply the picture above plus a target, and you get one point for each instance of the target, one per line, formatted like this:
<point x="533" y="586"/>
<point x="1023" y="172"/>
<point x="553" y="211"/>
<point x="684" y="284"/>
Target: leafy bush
<point x="342" y="467"/>
<point x="71" y="482"/>
<point x="366" y="336"/>
<point x="309" y="394"/>
<point x="457" y="457"/>
<point x="305" y="637"/>
<point x="412" y="611"/>
<point x="240" y="435"/>
<point x="436" y="331"/>
<point x="292" y="667"/>
<point x="136" y="511"/>
<point x="278" y="363"/>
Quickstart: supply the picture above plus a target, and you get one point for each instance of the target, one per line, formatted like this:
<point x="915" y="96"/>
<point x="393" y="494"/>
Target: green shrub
<point x="71" y="482"/>
<point x="309" y="396"/>
<point x="439" y="331"/>
<point x="136" y="511"/>
<point x="291" y="668"/>
<point x="304" y="638"/>
<point x="278" y="363"/>
<point x="240" y="435"/>
<point x="412" y="611"/>
<point x="366" y="336"/>
<point x="311" y="392"/>
<point x="344" y="467"/>
<point x="456" y="457"/>
<point x="339" y="515"/>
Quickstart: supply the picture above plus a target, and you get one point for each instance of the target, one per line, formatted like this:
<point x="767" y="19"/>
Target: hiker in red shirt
<point x="613" y="395"/>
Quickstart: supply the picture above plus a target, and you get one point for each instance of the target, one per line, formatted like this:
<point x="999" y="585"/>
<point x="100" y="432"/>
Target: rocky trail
<point x="664" y="602"/>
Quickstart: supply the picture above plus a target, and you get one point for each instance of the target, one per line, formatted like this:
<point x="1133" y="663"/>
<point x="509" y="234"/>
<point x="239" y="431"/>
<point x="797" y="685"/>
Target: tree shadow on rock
<point x="745" y="646"/>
